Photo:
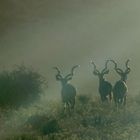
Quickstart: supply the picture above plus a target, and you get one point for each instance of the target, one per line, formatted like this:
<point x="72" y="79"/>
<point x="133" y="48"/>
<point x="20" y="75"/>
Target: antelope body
<point x="68" y="91"/>
<point x="105" y="87"/>
<point x="120" y="88"/>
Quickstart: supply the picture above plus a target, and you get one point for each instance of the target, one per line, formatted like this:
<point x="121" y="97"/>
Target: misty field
<point x="25" y="116"/>
<point x="91" y="120"/>
<point x="100" y="36"/>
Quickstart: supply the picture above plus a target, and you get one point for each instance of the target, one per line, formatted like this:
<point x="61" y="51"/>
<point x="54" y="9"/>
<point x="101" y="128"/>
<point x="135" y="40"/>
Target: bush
<point x="42" y="124"/>
<point x="84" y="99"/>
<point x="19" y="87"/>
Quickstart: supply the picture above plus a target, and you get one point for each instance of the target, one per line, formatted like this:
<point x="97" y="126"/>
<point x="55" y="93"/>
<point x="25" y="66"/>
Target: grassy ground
<point x="91" y="120"/>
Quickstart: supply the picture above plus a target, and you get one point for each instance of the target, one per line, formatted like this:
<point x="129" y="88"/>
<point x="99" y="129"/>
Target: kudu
<point x="105" y="88"/>
<point x="120" y="88"/>
<point x="68" y="91"/>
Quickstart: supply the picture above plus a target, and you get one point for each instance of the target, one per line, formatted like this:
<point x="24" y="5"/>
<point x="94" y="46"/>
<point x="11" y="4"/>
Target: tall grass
<point x="91" y="120"/>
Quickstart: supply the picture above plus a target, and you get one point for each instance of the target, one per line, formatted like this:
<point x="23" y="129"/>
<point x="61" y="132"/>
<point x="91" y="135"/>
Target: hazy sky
<point x="47" y="33"/>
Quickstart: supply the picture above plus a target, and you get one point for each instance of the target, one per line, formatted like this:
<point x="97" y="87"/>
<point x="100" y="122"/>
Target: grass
<point x="91" y="120"/>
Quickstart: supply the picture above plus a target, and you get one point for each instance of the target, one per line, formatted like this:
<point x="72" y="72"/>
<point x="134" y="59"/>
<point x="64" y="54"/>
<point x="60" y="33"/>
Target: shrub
<point x="42" y="124"/>
<point x="83" y="99"/>
<point x="19" y="87"/>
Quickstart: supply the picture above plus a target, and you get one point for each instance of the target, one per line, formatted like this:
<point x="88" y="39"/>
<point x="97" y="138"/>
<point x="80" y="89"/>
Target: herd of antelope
<point x="105" y="89"/>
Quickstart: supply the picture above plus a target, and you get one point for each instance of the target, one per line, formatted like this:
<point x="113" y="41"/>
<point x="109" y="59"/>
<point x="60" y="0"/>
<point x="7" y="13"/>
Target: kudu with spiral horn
<point x="68" y="91"/>
<point x="120" y="88"/>
<point x="105" y="87"/>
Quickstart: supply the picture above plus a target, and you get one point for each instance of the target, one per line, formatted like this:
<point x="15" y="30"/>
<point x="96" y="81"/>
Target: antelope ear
<point x="58" y="77"/>
<point x="106" y="72"/>
<point x="69" y="78"/>
<point x="95" y="73"/>
<point x="127" y="70"/>
<point x="119" y="71"/>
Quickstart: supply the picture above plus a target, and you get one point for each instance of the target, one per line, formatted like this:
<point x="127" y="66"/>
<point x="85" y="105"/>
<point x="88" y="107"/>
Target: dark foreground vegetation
<point x="91" y="120"/>
<point x="19" y="87"/>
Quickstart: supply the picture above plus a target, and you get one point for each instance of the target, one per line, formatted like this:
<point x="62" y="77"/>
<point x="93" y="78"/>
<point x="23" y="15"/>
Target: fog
<point x="48" y="33"/>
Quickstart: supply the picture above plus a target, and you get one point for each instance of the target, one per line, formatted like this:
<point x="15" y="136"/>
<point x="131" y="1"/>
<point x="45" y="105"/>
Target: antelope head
<point x="122" y="73"/>
<point x="64" y="80"/>
<point x="102" y="73"/>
